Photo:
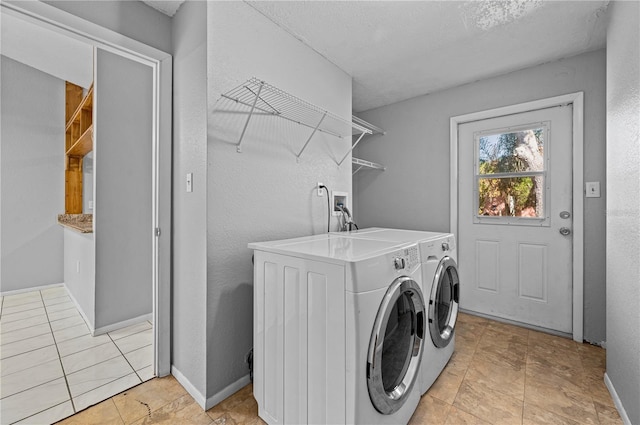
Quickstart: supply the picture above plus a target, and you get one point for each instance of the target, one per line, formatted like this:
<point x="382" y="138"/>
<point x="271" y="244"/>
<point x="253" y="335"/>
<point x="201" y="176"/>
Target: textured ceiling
<point x="396" y="50"/>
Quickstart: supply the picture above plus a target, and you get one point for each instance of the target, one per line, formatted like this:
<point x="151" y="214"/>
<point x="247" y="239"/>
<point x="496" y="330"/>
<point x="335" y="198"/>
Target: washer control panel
<point x="406" y="259"/>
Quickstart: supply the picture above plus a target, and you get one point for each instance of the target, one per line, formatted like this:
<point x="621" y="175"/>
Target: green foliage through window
<point x="519" y="153"/>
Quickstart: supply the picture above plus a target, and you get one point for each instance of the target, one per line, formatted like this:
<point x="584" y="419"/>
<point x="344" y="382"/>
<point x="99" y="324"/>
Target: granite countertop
<point x="82" y="223"/>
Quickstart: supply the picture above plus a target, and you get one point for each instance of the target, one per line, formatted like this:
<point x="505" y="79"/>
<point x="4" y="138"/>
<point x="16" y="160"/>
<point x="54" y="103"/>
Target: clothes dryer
<point x="339" y="330"/>
<point x="441" y="292"/>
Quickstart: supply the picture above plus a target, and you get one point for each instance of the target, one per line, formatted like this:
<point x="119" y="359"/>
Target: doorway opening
<point x="156" y="66"/>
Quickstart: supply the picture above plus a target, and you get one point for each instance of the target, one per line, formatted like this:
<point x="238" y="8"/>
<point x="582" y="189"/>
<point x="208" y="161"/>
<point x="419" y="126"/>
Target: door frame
<point x="49" y="17"/>
<point x="577" y="100"/>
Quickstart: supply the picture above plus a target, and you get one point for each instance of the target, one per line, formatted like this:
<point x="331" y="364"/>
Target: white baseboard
<point x="197" y="396"/>
<point x="35" y="288"/>
<point x="617" y="401"/>
<point x="227" y="391"/>
<point x="208" y="403"/>
<point x="89" y="323"/>
<point x="123" y="324"/>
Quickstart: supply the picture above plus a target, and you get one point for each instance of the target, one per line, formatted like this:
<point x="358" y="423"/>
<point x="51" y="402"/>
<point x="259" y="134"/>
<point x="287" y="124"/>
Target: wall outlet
<point x="78" y="266"/>
<point x="319" y="188"/>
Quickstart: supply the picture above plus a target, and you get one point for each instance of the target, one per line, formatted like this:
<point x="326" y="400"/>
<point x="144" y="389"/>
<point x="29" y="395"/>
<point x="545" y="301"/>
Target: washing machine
<point x="441" y="292"/>
<point x="340" y="326"/>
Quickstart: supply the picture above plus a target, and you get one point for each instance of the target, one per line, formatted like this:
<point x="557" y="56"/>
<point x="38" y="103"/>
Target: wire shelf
<point x="259" y="97"/>
<point x="362" y="163"/>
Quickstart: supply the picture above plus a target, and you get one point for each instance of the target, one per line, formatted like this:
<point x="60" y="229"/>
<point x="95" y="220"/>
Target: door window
<point x="443" y="304"/>
<point x="511" y="175"/>
<point x="395" y="349"/>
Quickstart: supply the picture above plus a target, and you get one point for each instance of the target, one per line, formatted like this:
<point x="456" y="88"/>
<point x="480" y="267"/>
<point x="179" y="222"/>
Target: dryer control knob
<point x="445" y="246"/>
<point x="398" y="263"/>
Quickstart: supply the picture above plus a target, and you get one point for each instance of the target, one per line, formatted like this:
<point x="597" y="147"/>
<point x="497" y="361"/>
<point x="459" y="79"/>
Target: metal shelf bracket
<point x="310" y="137"/>
<point x="246" y="123"/>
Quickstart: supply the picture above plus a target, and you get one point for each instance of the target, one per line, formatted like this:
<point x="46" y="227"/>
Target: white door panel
<point x="515" y="179"/>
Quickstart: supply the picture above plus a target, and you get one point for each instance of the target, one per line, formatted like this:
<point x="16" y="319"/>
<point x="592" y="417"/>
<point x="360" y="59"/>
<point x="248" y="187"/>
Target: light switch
<point x="593" y="189"/>
<point x="189" y="182"/>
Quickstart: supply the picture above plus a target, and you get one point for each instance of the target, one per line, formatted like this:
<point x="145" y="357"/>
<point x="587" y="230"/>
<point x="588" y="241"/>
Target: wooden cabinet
<point x="78" y="143"/>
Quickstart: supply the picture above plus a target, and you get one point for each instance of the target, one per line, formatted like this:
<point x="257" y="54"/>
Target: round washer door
<point x="443" y="302"/>
<point x="395" y="348"/>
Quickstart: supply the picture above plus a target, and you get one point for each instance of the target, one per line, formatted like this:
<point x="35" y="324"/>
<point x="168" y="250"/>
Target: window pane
<point x="511" y="152"/>
<point x="514" y="197"/>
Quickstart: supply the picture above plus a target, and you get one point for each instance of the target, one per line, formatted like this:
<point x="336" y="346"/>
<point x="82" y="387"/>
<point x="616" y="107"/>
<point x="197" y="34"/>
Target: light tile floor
<point x="51" y="366"/>
<point x="499" y="374"/>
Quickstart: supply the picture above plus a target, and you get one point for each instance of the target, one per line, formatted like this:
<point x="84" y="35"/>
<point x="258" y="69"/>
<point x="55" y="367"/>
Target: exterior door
<point x="515" y="218"/>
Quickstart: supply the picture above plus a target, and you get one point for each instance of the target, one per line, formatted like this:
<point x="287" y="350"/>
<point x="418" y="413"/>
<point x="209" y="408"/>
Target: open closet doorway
<point x="126" y="300"/>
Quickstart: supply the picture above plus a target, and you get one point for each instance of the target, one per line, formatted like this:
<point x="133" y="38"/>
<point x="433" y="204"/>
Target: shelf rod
<point x="352" y="147"/>
<point x="279" y="115"/>
<point x="235" y="99"/>
<point x="367" y="164"/>
<point x="244" y="129"/>
<point x="312" y="133"/>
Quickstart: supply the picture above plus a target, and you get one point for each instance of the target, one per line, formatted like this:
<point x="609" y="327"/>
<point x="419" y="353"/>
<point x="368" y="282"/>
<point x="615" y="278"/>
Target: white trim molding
<point x="227" y="391"/>
<point x="191" y="389"/>
<point x="577" y="100"/>
<point x="35" y="288"/>
<point x="616" y="401"/>
<point x="123" y="324"/>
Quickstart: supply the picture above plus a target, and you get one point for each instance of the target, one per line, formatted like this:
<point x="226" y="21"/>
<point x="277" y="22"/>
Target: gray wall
<point x="87" y="183"/>
<point x="131" y="18"/>
<point x="262" y="193"/>
<point x="32" y="177"/>
<point x="416" y="153"/>
<point x="79" y="271"/>
<point x="189" y="236"/>
<point x="122" y="213"/>
<point x="623" y="204"/>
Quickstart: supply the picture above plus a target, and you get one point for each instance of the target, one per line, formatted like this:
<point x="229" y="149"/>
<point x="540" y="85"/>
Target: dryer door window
<point x="443" y="302"/>
<point x="395" y="348"/>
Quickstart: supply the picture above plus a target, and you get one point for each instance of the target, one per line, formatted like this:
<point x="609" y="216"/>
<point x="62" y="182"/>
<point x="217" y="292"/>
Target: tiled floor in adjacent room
<point x="499" y="374"/>
<point x="51" y="366"/>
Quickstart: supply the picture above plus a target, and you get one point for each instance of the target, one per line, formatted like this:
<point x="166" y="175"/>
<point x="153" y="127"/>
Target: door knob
<point x="565" y="214"/>
<point x="565" y="231"/>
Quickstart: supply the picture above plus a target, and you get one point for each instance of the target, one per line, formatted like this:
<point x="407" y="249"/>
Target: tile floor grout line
<point x="28" y="351"/>
<point x="66" y="381"/>
<point x="106" y="383"/>
<point x="127" y="336"/>
<point x="116" y="406"/>
<point x="129" y="352"/>
<point x="62" y="318"/>
<point x="37" y="413"/>
<point x="22" y="311"/>
<point x="125" y="358"/>
<point x="21" y="329"/>
<point x="72" y="326"/>
<point x="24" y="339"/>
<point x="30" y="388"/>
<point x="7" y="315"/>
<point x="524" y="390"/>
<point x="84" y="349"/>
<point x="484" y="328"/>
<point x="95" y="364"/>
